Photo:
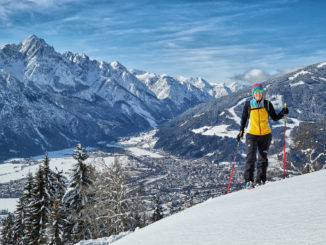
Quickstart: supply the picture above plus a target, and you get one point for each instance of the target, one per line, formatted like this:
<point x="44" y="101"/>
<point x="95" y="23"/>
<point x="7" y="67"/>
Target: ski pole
<point x="284" y="141"/>
<point x="235" y="157"/>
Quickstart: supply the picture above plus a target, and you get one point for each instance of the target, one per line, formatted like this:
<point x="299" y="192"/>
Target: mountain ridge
<point x="88" y="100"/>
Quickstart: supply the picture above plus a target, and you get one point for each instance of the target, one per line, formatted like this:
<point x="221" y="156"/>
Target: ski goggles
<point x="260" y="91"/>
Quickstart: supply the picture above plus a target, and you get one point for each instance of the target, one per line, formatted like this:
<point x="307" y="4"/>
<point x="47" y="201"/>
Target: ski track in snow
<point x="235" y="117"/>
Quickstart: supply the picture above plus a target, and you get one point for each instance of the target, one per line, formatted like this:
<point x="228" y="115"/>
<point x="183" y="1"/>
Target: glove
<point x="285" y="111"/>
<point x="240" y="135"/>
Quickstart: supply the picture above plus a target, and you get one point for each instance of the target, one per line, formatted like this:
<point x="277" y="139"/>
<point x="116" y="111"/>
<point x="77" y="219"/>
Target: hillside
<point x="291" y="211"/>
<point x="209" y="129"/>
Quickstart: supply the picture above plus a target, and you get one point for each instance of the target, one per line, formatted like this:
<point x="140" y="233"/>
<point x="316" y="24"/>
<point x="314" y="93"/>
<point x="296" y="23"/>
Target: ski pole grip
<point x="284" y="105"/>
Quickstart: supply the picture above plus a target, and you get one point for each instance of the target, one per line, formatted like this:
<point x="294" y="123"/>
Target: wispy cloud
<point x="8" y="7"/>
<point x="219" y="40"/>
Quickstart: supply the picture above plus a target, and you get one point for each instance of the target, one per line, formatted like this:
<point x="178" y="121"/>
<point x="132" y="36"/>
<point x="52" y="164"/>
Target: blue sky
<point x="221" y="41"/>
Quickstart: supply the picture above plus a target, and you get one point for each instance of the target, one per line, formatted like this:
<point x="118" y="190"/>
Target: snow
<point x="220" y="130"/>
<point x="103" y="241"/>
<point x="141" y="152"/>
<point x="18" y="168"/>
<point x="151" y="180"/>
<point x="291" y="211"/>
<point x="235" y="117"/>
<point x="144" y="140"/>
<point x="321" y="78"/>
<point x="321" y="65"/>
<point x="277" y="101"/>
<point x="11" y="171"/>
<point x="298" y="74"/>
<point x="198" y="115"/>
<point x="8" y="204"/>
<point x="41" y="135"/>
<point x="297" y="84"/>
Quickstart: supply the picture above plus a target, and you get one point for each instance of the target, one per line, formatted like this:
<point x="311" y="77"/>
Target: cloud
<point x="253" y="75"/>
<point x="11" y="7"/>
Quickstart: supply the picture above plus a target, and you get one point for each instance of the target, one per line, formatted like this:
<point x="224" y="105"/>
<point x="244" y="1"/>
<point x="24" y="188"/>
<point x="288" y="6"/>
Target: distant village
<point x="179" y="183"/>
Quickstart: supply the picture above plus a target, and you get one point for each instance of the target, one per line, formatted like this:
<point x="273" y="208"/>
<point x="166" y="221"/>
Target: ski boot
<point x="250" y="185"/>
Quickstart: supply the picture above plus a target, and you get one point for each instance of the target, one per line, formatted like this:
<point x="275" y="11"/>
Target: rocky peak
<point x="33" y="45"/>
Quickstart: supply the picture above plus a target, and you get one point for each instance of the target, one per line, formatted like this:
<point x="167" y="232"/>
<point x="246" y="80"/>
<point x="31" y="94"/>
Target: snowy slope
<point x="291" y="211"/>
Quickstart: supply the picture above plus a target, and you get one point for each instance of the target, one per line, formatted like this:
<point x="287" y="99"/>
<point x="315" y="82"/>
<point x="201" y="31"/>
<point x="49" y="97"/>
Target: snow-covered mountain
<point x="291" y="211"/>
<point x="50" y="100"/>
<point x="183" y="91"/>
<point x="209" y="130"/>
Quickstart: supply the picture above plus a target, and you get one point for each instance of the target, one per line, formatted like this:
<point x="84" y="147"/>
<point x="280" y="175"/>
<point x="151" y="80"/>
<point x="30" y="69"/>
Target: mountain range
<point x="50" y="101"/>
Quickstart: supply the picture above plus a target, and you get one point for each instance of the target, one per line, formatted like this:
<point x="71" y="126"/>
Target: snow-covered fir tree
<point x="41" y="203"/>
<point x="158" y="210"/>
<point x="55" y="227"/>
<point x="77" y="198"/>
<point x="49" y="180"/>
<point x="40" y="210"/>
<point x="59" y="184"/>
<point x="8" y="231"/>
<point x="23" y="224"/>
<point x="19" y="219"/>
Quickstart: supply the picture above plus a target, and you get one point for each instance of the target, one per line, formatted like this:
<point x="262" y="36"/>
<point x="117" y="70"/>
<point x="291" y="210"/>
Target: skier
<point x="259" y="135"/>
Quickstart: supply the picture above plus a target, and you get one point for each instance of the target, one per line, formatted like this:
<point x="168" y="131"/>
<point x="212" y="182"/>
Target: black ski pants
<point x="262" y="143"/>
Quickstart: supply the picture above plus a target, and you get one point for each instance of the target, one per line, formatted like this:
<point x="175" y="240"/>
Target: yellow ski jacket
<point x="258" y="112"/>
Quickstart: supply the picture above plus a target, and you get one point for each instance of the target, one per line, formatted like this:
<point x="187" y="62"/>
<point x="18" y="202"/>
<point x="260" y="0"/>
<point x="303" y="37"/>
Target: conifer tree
<point x="41" y="203"/>
<point x="19" y="220"/>
<point x="39" y="209"/>
<point x="55" y="227"/>
<point x="49" y="181"/>
<point x="77" y="198"/>
<point x="59" y="184"/>
<point x="7" y="232"/>
<point x="158" y="210"/>
<point x="23" y="224"/>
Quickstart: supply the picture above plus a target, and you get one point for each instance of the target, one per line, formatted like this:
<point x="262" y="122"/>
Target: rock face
<point x="209" y="130"/>
<point x="50" y="101"/>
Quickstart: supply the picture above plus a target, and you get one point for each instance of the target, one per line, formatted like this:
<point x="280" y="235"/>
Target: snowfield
<point x="220" y="130"/>
<point x="8" y="204"/>
<point x="291" y="211"/>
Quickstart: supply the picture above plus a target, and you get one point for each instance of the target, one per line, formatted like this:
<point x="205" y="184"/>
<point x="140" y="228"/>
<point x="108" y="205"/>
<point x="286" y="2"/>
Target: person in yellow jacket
<point x="259" y="136"/>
